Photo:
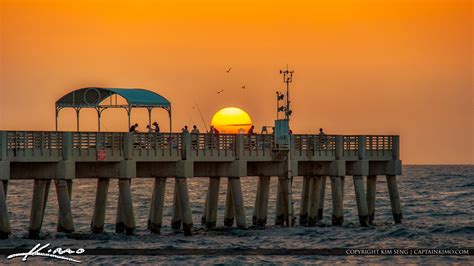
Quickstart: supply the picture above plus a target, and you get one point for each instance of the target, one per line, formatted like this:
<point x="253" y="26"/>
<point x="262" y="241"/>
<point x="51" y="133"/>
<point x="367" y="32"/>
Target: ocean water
<point x="437" y="203"/>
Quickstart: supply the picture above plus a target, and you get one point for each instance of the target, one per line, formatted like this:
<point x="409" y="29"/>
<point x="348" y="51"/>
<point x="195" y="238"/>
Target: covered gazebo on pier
<point x="101" y="99"/>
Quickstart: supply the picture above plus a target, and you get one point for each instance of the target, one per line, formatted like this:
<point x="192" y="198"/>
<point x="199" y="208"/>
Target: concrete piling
<point x="304" y="200"/>
<point x="371" y="191"/>
<point x="5" y="230"/>
<point x="127" y="205"/>
<point x="279" y="211"/>
<point x="184" y="205"/>
<point x="314" y="197"/>
<point x="212" y="204"/>
<point x="40" y="197"/>
<point x="322" y="194"/>
<point x="150" y="211"/>
<point x="337" y="207"/>
<point x="257" y="198"/>
<point x="157" y="205"/>
<point x="284" y="199"/>
<point x="204" y="211"/>
<point x="238" y="200"/>
<point x="262" y="208"/>
<point x="176" y="215"/>
<point x="5" y="187"/>
<point x="119" y="223"/>
<point x="361" y="200"/>
<point x="64" y="202"/>
<point x="229" y="215"/>
<point x="394" y="198"/>
<point x="98" y="217"/>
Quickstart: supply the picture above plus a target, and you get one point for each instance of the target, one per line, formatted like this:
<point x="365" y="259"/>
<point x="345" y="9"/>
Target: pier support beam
<point x="98" y="217"/>
<point x="204" y="210"/>
<point x="229" y="215"/>
<point x="322" y="194"/>
<point x="262" y="207"/>
<point x="314" y="197"/>
<point x="304" y="201"/>
<point x="184" y="205"/>
<point x="337" y="207"/>
<point x="284" y="201"/>
<point x="119" y="223"/>
<point x="257" y="198"/>
<point x="238" y="200"/>
<point x="157" y="204"/>
<point x="64" y="202"/>
<point x="176" y="215"/>
<point x="38" y="205"/>
<point x="69" y="189"/>
<point x="213" y="202"/>
<point x="279" y="211"/>
<point x="394" y="198"/>
<point x="371" y="191"/>
<point x="361" y="200"/>
<point x="5" y="230"/>
<point x="127" y="205"/>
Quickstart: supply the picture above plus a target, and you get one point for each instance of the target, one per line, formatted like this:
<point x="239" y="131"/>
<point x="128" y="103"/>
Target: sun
<point x="231" y="120"/>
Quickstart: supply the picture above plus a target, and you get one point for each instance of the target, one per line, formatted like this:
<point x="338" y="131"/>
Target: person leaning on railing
<point x="322" y="139"/>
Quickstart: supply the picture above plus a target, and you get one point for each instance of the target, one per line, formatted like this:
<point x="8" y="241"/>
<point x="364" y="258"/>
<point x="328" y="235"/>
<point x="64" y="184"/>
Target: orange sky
<point x="362" y="66"/>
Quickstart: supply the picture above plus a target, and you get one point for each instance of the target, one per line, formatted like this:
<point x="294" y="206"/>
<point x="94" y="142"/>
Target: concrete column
<point x="211" y="215"/>
<point x="229" y="215"/>
<point x="343" y="180"/>
<point x="361" y="200"/>
<point x="371" y="190"/>
<point x="40" y="195"/>
<point x="394" y="198"/>
<point x="262" y="208"/>
<point x="176" y="215"/>
<point x="322" y="193"/>
<point x="204" y="211"/>
<point x="5" y="187"/>
<point x="185" y="207"/>
<point x="60" y="226"/>
<point x="314" y="197"/>
<point x="150" y="211"/>
<point x="127" y="205"/>
<point x="257" y="198"/>
<point x="337" y="209"/>
<point x="158" y="202"/>
<point x="64" y="202"/>
<point x="119" y="223"/>
<point x="279" y="211"/>
<point x="238" y="202"/>
<point x="5" y="230"/>
<point x="304" y="200"/>
<point x="98" y="217"/>
<point x="284" y="195"/>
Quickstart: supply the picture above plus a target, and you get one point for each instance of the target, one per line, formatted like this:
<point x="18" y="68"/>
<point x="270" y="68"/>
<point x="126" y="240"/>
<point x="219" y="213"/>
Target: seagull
<point x="229" y="69"/>
<point x="243" y="87"/>
<point x="220" y="91"/>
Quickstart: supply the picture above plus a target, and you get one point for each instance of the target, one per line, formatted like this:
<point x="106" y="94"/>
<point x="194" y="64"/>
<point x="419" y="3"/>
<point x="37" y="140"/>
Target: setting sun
<point x="231" y="120"/>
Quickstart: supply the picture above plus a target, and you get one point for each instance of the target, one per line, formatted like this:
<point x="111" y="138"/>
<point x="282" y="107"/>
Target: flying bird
<point x="219" y="92"/>
<point x="229" y="69"/>
<point x="243" y="87"/>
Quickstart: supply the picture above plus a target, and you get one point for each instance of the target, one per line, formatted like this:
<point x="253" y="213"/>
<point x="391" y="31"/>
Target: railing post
<point x="339" y="143"/>
<point x="239" y="146"/>
<point x="3" y="145"/>
<point x="128" y="145"/>
<point x="361" y="148"/>
<point x="395" y="147"/>
<point x="185" y="145"/>
<point x="67" y="146"/>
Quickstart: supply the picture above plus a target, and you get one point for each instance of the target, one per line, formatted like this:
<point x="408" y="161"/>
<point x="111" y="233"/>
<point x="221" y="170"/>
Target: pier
<point x="62" y="157"/>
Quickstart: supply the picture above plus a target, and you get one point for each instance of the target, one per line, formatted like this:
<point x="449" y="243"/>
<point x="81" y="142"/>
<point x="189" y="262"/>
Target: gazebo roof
<point x="92" y="97"/>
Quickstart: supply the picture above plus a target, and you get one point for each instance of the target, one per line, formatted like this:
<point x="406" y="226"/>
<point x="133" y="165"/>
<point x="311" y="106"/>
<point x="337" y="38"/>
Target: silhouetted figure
<point x="194" y="137"/>
<point x="185" y="129"/>
<point x="195" y="130"/>
<point x="322" y="139"/>
<point x="250" y="132"/>
<point x="134" y="128"/>
<point x="157" y="127"/>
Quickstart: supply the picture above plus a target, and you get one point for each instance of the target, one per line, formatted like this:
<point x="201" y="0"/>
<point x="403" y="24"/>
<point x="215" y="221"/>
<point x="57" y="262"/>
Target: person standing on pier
<point x="157" y="127"/>
<point x="194" y="137"/>
<point x="322" y="139"/>
<point x="134" y="128"/>
<point x="185" y="129"/>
